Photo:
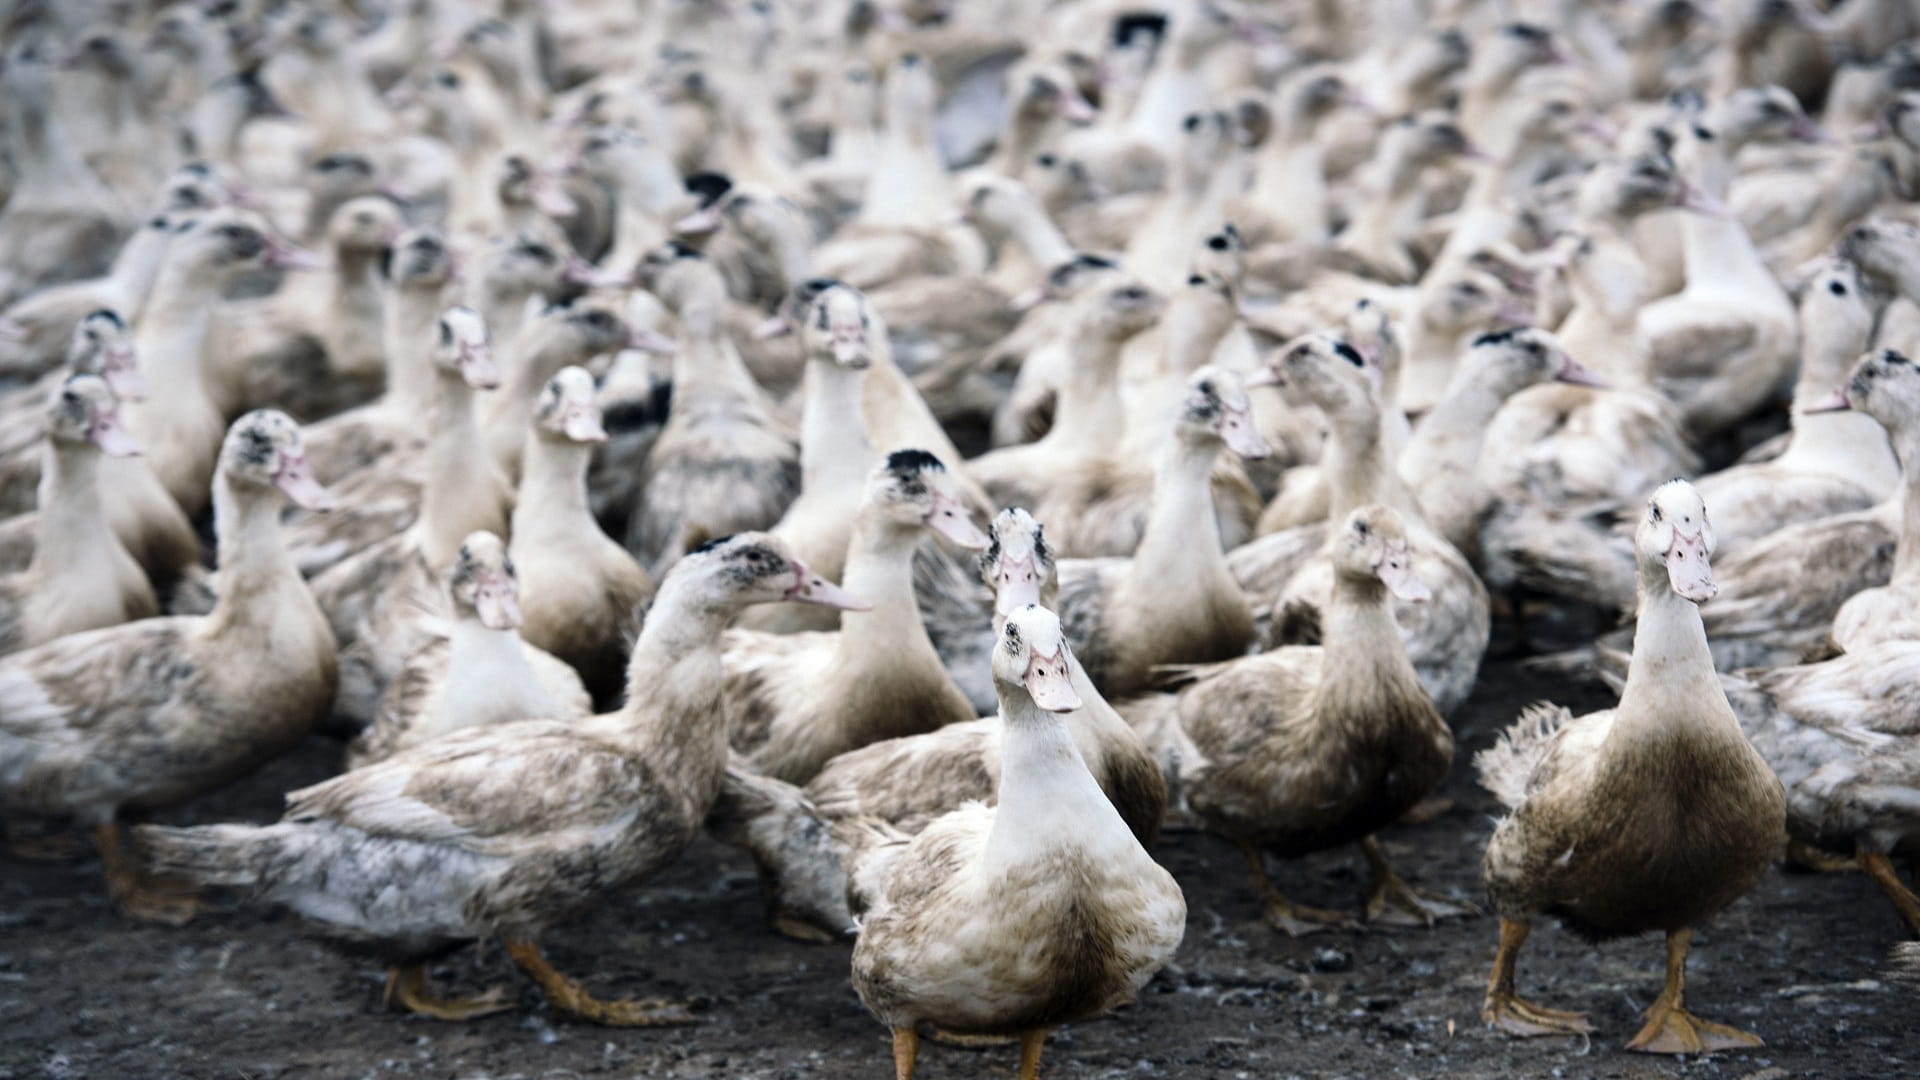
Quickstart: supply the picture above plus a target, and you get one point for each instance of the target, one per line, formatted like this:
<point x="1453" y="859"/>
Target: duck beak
<point x="582" y="272"/>
<point x="288" y="256"/>
<point x="699" y="223"/>
<point x="477" y="367"/>
<point x="1266" y="376"/>
<point x="776" y="326"/>
<point x="651" y="341"/>
<point x="1030" y="299"/>
<point x="1687" y="569"/>
<point x="295" y="479"/>
<point x="1832" y="402"/>
<point x="497" y="607"/>
<point x="581" y="422"/>
<point x="1075" y="108"/>
<point x="850" y="348"/>
<point x="11" y="330"/>
<point x="1237" y="430"/>
<point x="112" y="439"/>
<point x="123" y="375"/>
<point x="951" y="520"/>
<point x="1573" y="371"/>
<point x="1049" y="683"/>
<point x="1806" y="130"/>
<point x="550" y="198"/>
<point x="811" y="588"/>
<point x="1015" y="585"/>
<point x="1699" y="202"/>
<point x="1396" y="572"/>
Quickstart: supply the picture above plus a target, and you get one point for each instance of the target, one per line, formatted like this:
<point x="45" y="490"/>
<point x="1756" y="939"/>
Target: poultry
<point x="973" y="921"/>
<point x="911" y="781"/>
<point x="155" y="712"/>
<point x="908" y="187"/>
<point x="1302" y="497"/>
<point x="480" y="674"/>
<point x="1307" y="748"/>
<point x="1290" y="574"/>
<point x="513" y="274"/>
<point x="1559" y="462"/>
<point x="559" y="337"/>
<point x="1439" y="462"/>
<point x="1663" y="43"/>
<point x="1288" y="202"/>
<point x="1041" y="99"/>
<point x="1174" y="601"/>
<point x="1775" y="42"/>
<point x="723" y="463"/>
<point x="1208" y="171"/>
<point x="1452" y="306"/>
<point x="99" y="344"/>
<point x="646" y="190"/>
<point x="1840" y="736"/>
<point x="1375" y="242"/>
<point x="1492" y="94"/>
<point x="314" y="347"/>
<point x="1727" y="342"/>
<point x="1834" y="462"/>
<point x="1653" y="815"/>
<point x="1795" y="216"/>
<point x="81" y="578"/>
<point x="506" y="830"/>
<point x="387" y="500"/>
<point x="61" y="221"/>
<point x="584" y="593"/>
<point x="796" y="700"/>
<point x="417" y="268"/>
<point x="1886" y="387"/>
<point x="180" y="426"/>
<point x="835" y="454"/>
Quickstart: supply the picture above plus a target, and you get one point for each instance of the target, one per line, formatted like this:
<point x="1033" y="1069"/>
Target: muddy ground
<point x="247" y="993"/>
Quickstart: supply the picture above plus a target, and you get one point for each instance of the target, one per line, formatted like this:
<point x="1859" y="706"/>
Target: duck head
<point x="228" y="241"/>
<point x="102" y="344"/>
<point x="1885" y="385"/>
<point x="568" y="409"/>
<point x="1031" y="658"/>
<point x="263" y="451"/>
<point x="1371" y="545"/>
<point x="753" y="568"/>
<point x="1675" y="541"/>
<point x="1018" y="565"/>
<point x="1886" y="250"/>
<point x="1517" y="359"/>
<point x="1216" y="410"/>
<point x="524" y="267"/>
<point x="86" y="412"/>
<point x="483" y="584"/>
<point x="364" y="227"/>
<point x="838" y="327"/>
<point x="462" y="346"/>
<point x="1465" y="300"/>
<point x="1067" y="280"/>
<point x="418" y="259"/>
<point x="912" y="489"/>
<point x="1323" y="371"/>
<point x="1115" y="310"/>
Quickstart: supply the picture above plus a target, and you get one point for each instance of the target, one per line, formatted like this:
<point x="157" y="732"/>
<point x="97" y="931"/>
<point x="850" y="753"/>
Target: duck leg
<point x="1670" y="1028"/>
<point x="132" y="890"/>
<point x="906" y="1049"/>
<point x="1880" y="869"/>
<point x="1291" y="919"/>
<point x="1397" y="903"/>
<point x="1030" y="1046"/>
<point x="573" y="999"/>
<point x="1505" y="1010"/>
<point x="407" y="986"/>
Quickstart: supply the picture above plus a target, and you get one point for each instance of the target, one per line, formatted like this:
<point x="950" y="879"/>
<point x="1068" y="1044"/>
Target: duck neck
<point x="135" y="270"/>
<point x="1452" y="432"/>
<point x="408" y="322"/>
<point x="1048" y="802"/>
<point x="173" y="333"/>
<point x="707" y="362"/>
<point x="553" y="487"/>
<point x="497" y="654"/>
<point x="880" y="571"/>
<point x="1039" y="238"/>
<point x="1089" y="410"/>
<point x="1906" y="556"/>
<point x="457" y="460"/>
<point x="72" y="521"/>
<point x="503" y="306"/>
<point x="834" y="451"/>
<point x="253" y="562"/>
<point x="1672" y="665"/>
<point x="1181" y="542"/>
<point x="674" y="710"/>
<point x="1356" y="465"/>
<point x="1720" y="257"/>
<point x="1362" y="653"/>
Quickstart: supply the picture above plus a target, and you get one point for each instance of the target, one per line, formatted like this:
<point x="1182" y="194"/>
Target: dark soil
<point x="248" y="993"/>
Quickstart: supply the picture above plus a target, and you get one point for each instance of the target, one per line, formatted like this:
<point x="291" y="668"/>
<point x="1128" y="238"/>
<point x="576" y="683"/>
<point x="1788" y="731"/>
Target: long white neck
<point x="708" y="362"/>
<point x="72" y="524"/>
<point x="1362" y="654"/>
<point x="674" y="708"/>
<point x="1358" y="471"/>
<point x="1449" y="437"/>
<point x="553" y="488"/>
<point x="408" y="325"/>
<point x="1181" y="543"/>
<point x="834" y="452"/>
<point x="488" y="671"/>
<point x="1720" y="256"/>
<point x="1672" y="666"/>
<point x="172" y="337"/>
<point x="1089" y="412"/>
<point x="135" y="270"/>
<point x="880" y="571"/>
<point x="458" y="470"/>
<point x="253" y="562"/>
<point x="1048" y="803"/>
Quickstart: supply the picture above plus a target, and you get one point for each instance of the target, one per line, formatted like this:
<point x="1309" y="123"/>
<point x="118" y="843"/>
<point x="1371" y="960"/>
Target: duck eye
<point x="1836" y="288"/>
<point x="1132" y="294"/>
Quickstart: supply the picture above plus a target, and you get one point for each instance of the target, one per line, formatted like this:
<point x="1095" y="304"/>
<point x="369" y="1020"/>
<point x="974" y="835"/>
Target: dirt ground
<point x="250" y="993"/>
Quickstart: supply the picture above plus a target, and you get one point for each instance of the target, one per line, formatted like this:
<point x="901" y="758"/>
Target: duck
<point x="562" y="336"/>
<point x="1174" y="601"/>
<point x="975" y="917"/>
<point x="100" y="343"/>
<point x="481" y="673"/>
<point x="1290" y="574"/>
<point x="1305" y="748"/>
<point x="555" y="814"/>
<point x="584" y="592"/>
<point x="1376" y="240"/>
<point x="723" y="463"/>
<point x="1653" y="815"/>
<point x="155" y="712"/>
<point x="1838" y="735"/>
<point x="1835" y="461"/>
<point x="796" y="700"/>
<point x="1886" y="387"/>
<point x="81" y="578"/>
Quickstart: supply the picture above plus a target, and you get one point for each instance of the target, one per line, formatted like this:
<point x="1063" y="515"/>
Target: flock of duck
<point x="537" y="369"/>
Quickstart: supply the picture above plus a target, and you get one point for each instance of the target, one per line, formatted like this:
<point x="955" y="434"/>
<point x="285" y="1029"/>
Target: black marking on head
<point x="717" y="541"/>
<point x="711" y="187"/>
<point x="256" y="445"/>
<point x="110" y="315"/>
<point x="1894" y="356"/>
<point x="1219" y="242"/>
<point x="1046" y="161"/>
<point x="1196" y="279"/>
<point x="1128" y="27"/>
<point x="912" y="461"/>
<point x="1525" y="32"/>
<point x="1093" y="262"/>
<point x="1498" y="337"/>
<point x="682" y="251"/>
<point x="1700" y="132"/>
<point x="1350" y="354"/>
<point x="1837" y="288"/>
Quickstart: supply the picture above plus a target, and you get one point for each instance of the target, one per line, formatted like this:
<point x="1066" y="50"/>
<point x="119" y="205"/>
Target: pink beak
<point x="582" y="272"/>
<point x="811" y="588"/>
<point x="122" y="375"/>
<point x="288" y="256"/>
<point x="698" y="223"/>
<point x="1076" y="109"/>
<point x="550" y="198"/>
<point x="1699" y="202"/>
<point x="477" y="367"/>
<point x="582" y="423"/>
<point x="295" y="479"/>
<point x="1266" y="376"/>
<point x="1237" y="430"/>
<point x="1016" y="585"/>
<point x="1572" y="371"/>
<point x="1687" y="569"/>
<point x="776" y="326"/>
<point x="496" y="605"/>
<point x="1397" y="574"/>
<point x="112" y="439"/>
<point x="11" y="330"/>
<point x="651" y="341"/>
<point x="850" y="348"/>
<point x="1833" y="402"/>
<point x="1050" y="682"/>
<point x="1807" y="131"/>
<point x="1030" y="299"/>
<point x="950" y="519"/>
